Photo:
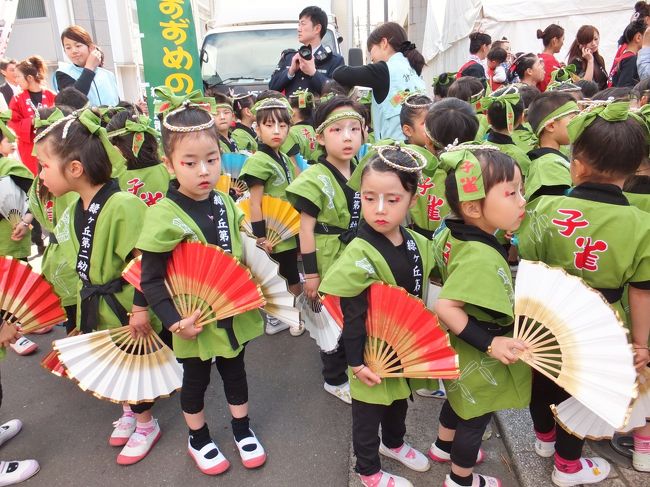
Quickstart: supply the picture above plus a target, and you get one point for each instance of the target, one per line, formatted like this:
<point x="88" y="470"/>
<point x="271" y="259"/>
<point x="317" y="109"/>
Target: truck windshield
<point x="231" y="57"/>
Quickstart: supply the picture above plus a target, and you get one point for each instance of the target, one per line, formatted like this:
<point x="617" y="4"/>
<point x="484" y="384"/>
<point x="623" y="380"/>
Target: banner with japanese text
<point x="169" y="47"/>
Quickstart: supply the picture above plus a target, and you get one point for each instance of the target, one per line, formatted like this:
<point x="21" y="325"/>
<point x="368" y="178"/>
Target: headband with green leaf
<point x="5" y="116"/>
<point x="643" y="114"/>
<point x="564" y="73"/>
<point x="138" y="126"/>
<point x="270" y="104"/>
<point x="612" y="111"/>
<point x="467" y="170"/>
<point x="106" y="113"/>
<point x="443" y="79"/>
<point x="170" y="104"/>
<point x="366" y="98"/>
<point x="55" y="118"/>
<point x="508" y="98"/>
<point x="305" y="98"/>
<point x="562" y="111"/>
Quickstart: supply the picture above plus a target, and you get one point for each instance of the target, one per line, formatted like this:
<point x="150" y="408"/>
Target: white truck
<point x="242" y="46"/>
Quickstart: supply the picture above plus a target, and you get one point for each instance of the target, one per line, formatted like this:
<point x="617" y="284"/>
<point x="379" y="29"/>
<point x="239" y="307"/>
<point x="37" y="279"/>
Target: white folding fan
<point x="13" y="201"/>
<point x="576" y="339"/>
<point x="114" y="366"/>
<point x="280" y="303"/>
<point x="583" y="423"/>
<point x="319" y="323"/>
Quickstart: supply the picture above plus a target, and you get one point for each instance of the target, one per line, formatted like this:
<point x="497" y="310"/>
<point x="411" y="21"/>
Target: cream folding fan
<point x="575" y="339"/>
<point x="114" y="366"/>
<point x="320" y="324"/>
<point x="583" y="423"/>
<point x="13" y="201"/>
<point x="280" y="303"/>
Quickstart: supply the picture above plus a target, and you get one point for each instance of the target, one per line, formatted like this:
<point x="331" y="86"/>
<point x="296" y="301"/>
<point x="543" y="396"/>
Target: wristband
<point x="476" y="336"/>
<point x="309" y="263"/>
<point x="259" y="228"/>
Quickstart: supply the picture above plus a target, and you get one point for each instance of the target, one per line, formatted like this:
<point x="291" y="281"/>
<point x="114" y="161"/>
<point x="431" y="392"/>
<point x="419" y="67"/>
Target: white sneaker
<point x="274" y="325"/>
<point x="641" y="461"/>
<point x="124" y="428"/>
<point x="24" y="346"/>
<point x="139" y="446"/>
<point x="9" y="430"/>
<point x="544" y="449"/>
<point x="251" y="458"/>
<point x="383" y="479"/>
<point x="209" y="466"/>
<point x="593" y="471"/>
<point x="407" y="456"/>
<point x="342" y="391"/>
<point x="431" y="393"/>
<point x="297" y="330"/>
<point x="14" y="472"/>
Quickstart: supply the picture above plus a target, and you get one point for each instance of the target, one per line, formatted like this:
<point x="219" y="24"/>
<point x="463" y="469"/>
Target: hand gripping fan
<point x="320" y="324"/>
<point x="232" y="163"/>
<point x="574" y="338"/>
<point x="114" y="366"/>
<point x="282" y="220"/>
<point x="280" y="303"/>
<point x="27" y="299"/>
<point x="13" y="201"/>
<point x="583" y="423"/>
<point x="404" y="338"/>
<point x="52" y="362"/>
<point x="207" y="278"/>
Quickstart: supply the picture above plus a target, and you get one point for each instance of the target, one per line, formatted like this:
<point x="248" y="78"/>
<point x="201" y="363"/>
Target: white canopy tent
<point x="449" y="23"/>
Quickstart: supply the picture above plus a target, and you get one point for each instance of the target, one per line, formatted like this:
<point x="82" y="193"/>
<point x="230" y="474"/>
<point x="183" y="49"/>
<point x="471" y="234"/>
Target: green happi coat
<point x="549" y="171"/>
<point x="165" y="226"/>
<point x="263" y="167"/>
<point x="588" y="233"/>
<point x="301" y="140"/>
<point x="524" y="137"/>
<point x="318" y="185"/>
<point x="22" y="248"/>
<point x="116" y="233"/>
<point x="58" y="260"/>
<point x="507" y="146"/>
<point x="483" y="127"/>
<point x="475" y="271"/>
<point x="244" y="139"/>
<point x="148" y="183"/>
<point x="359" y="266"/>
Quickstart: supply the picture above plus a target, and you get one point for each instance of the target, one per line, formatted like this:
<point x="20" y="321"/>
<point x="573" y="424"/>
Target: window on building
<point x="30" y="9"/>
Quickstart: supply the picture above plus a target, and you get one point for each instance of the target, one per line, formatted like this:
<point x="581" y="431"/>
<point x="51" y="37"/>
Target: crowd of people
<point x="516" y="155"/>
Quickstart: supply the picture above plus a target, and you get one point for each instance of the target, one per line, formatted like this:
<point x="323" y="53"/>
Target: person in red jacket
<point x="553" y="38"/>
<point x="30" y="74"/>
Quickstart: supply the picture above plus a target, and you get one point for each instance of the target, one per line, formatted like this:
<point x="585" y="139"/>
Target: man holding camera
<point x="312" y="64"/>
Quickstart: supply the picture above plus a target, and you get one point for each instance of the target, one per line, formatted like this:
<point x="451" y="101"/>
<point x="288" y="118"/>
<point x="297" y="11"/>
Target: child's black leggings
<point x="546" y="392"/>
<point x="468" y="436"/>
<point x="366" y="419"/>
<point x="196" y="378"/>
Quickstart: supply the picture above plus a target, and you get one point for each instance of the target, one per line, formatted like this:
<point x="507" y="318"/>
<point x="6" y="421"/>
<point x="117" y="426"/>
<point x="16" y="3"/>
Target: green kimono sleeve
<point x="548" y="170"/>
<point x="524" y="138"/>
<point x="516" y="153"/>
<point x="244" y="140"/>
<point x="22" y="248"/>
<point x="483" y="127"/>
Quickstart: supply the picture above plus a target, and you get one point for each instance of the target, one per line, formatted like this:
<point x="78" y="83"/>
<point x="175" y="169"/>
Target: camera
<point x="305" y="52"/>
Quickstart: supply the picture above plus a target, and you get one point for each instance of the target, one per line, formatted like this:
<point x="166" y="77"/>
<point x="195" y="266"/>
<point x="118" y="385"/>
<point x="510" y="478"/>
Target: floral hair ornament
<point x="5" y="116"/>
<point x="170" y="104"/>
<point x="467" y="170"/>
<point x="337" y="116"/>
<point x="610" y="110"/>
<point x="138" y="125"/>
<point x="509" y="97"/>
<point x="410" y="103"/>
<point x="305" y="98"/>
<point x="270" y="104"/>
<point x="562" y="111"/>
<point x="383" y="151"/>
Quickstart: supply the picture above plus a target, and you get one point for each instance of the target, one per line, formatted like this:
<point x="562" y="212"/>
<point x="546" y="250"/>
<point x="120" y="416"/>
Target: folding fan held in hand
<point x="52" y="362"/>
<point x="404" y="338"/>
<point x="223" y="183"/>
<point x="320" y="324"/>
<point x="575" y="339"/>
<point x="205" y="277"/>
<point x="282" y="220"/>
<point x="26" y="299"/>
<point x="114" y="366"/>
<point x="232" y="164"/>
<point x="13" y="201"/>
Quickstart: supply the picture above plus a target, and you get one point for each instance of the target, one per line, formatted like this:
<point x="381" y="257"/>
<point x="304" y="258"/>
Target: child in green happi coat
<point x="301" y="140"/>
<point x="243" y="133"/>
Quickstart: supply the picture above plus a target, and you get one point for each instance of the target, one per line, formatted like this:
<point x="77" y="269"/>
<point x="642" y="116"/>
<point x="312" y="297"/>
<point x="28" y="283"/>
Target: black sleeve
<point x="303" y="205"/>
<point x="154" y="271"/>
<point x="627" y="73"/>
<point x="280" y="79"/>
<point x="354" y="327"/>
<point x="22" y="183"/>
<point x="139" y="299"/>
<point x="558" y="190"/>
<point x="82" y="84"/>
<point x="645" y="285"/>
<point x="373" y="76"/>
<point x="295" y="149"/>
<point x="252" y="180"/>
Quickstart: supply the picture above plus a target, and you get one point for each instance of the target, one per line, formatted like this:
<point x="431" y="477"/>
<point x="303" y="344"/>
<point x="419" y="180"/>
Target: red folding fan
<point x="27" y="299"/>
<point x="52" y="361"/>
<point x="207" y="278"/>
<point x="404" y="338"/>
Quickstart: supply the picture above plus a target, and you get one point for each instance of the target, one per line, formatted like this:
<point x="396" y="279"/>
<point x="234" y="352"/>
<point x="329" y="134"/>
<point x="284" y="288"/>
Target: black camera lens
<point x="305" y="52"/>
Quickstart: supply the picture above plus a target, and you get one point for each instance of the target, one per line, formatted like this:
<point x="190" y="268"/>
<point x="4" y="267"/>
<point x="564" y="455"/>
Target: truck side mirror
<point x="355" y="56"/>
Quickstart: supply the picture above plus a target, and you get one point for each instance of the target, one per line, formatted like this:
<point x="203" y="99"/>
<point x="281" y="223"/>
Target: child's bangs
<point x="273" y="115"/>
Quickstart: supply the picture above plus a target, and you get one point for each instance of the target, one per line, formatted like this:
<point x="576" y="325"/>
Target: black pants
<point x="468" y="436"/>
<point x="288" y="262"/>
<point x="546" y="392"/>
<point x="366" y="419"/>
<point x="196" y="378"/>
<point x="335" y="366"/>
<point x="37" y="233"/>
<point x="71" y="313"/>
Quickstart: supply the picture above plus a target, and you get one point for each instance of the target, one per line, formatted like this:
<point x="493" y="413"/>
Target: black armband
<point x="259" y="228"/>
<point x="476" y="335"/>
<point x="309" y="263"/>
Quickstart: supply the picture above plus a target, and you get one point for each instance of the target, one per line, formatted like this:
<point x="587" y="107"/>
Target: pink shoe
<point x="123" y="429"/>
<point x="139" y="446"/>
<point x="43" y="331"/>
<point x="24" y="346"/>
<point x="209" y="466"/>
<point x="256" y="457"/>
